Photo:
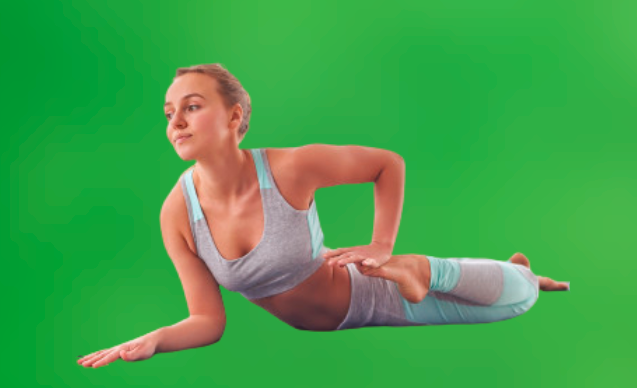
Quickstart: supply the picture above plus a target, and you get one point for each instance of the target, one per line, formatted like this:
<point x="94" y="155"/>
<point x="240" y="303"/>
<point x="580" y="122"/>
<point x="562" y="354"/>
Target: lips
<point x="182" y="138"/>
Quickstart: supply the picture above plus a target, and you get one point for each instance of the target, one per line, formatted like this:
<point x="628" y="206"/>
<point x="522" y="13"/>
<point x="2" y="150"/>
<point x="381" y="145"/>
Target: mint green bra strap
<point x="264" y="181"/>
<point x="192" y="194"/>
<point x="316" y="233"/>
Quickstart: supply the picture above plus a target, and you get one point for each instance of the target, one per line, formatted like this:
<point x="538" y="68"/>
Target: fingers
<point x="332" y="252"/>
<point x="100" y="358"/>
<point x="91" y="357"/>
<point x="341" y="260"/>
<point x="107" y="358"/>
<point x="349" y="257"/>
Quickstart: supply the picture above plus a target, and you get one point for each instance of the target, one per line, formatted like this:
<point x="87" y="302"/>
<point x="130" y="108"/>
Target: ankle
<point x="444" y="274"/>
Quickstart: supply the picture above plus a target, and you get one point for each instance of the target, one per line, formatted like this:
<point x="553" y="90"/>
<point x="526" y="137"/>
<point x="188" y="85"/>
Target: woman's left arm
<point x="389" y="195"/>
<point x="322" y="165"/>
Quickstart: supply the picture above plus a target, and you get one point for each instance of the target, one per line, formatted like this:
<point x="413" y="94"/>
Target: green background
<point x="514" y="119"/>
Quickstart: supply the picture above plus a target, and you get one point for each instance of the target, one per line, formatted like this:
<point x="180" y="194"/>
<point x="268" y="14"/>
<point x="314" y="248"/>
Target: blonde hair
<point x="230" y="89"/>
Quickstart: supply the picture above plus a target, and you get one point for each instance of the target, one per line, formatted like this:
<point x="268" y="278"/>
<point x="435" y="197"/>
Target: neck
<point x="226" y="177"/>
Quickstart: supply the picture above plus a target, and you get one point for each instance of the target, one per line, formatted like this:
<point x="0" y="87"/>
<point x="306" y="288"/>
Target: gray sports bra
<point x="288" y="253"/>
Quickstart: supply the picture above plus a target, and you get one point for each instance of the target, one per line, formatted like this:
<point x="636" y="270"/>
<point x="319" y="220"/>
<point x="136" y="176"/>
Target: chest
<point x="238" y="230"/>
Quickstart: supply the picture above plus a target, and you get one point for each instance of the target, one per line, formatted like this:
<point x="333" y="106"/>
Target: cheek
<point x="207" y="120"/>
<point x="208" y="125"/>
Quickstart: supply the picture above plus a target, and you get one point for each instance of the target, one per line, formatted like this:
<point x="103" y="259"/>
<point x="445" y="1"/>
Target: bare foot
<point x="519" y="258"/>
<point x="548" y="284"/>
<point x="411" y="273"/>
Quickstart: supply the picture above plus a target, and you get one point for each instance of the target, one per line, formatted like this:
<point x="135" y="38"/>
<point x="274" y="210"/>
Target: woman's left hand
<point x="373" y="255"/>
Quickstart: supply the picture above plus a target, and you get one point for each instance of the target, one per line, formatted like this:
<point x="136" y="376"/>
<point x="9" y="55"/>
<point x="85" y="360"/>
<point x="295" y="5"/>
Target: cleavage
<point x="237" y="233"/>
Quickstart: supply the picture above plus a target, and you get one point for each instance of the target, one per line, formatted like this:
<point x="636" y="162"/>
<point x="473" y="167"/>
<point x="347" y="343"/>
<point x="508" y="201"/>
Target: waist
<point x="319" y="303"/>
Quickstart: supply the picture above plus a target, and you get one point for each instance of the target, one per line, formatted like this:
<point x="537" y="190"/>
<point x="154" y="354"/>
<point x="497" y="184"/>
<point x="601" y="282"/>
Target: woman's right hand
<point x="139" y="349"/>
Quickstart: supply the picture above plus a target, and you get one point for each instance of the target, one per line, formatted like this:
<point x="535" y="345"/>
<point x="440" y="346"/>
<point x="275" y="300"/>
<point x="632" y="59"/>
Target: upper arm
<point x="200" y="287"/>
<point x="324" y="165"/>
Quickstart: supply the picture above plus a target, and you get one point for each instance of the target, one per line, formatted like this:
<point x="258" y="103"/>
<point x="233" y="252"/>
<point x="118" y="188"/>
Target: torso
<point x="318" y="303"/>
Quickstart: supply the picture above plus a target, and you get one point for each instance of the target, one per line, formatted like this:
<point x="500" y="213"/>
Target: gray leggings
<point x="463" y="291"/>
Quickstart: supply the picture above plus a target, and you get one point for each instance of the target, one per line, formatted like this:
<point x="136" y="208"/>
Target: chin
<point x="185" y="155"/>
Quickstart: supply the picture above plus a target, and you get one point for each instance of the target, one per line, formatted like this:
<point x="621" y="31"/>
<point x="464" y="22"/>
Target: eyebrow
<point x="187" y="96"/>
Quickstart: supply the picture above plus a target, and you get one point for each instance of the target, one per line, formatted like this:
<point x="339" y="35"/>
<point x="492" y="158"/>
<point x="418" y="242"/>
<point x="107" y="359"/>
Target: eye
<point x="191" y="105"/>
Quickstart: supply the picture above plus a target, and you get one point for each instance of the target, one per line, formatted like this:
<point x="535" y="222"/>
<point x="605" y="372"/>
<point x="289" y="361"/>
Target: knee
<point x="530" y="297"/>
<point x="528" y="303"/>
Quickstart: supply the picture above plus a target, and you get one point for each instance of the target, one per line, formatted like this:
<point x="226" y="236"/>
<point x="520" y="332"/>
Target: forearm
<point x="193" y="332"/>
<point x="389" y="190"/>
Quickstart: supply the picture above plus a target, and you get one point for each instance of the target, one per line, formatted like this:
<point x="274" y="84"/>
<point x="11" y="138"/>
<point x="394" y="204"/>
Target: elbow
<point x="391" y="160"/>
<point x="397" y="158"/>
<point x="216" y="339"/>
<point x="217" y="332"/>
<point x="211" y="328"/>
<point x="394" y="159"/>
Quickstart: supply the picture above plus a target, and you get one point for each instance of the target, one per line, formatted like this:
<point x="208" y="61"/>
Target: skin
<point x="226" y="178"/>
<point x="226" y="181"/>
<point x="227" y="186"/>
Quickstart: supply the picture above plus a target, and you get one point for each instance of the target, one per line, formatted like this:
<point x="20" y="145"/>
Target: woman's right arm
<point x="207" y="319"/>
<point x="193" y="332"/>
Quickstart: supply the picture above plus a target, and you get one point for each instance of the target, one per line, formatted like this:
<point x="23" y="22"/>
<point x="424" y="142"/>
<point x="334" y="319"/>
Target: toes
<point x="548" y="284"/>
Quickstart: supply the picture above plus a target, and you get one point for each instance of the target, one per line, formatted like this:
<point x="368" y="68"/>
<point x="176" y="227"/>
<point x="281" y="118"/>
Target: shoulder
<point x="281" y="157"/>
<point x="174" y="215"/>
<point x="288" y="176"/>
<point x="284" y="164"/>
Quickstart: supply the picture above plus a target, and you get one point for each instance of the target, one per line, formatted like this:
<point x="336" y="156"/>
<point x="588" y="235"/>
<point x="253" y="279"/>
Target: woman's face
<point x="195" y="111"/>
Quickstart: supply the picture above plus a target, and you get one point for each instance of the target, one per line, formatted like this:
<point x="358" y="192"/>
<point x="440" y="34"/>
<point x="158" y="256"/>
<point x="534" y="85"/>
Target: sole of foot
<point x="411" y="273"/>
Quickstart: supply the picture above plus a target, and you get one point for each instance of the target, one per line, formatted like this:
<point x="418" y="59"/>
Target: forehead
<point x="188" y="84"/>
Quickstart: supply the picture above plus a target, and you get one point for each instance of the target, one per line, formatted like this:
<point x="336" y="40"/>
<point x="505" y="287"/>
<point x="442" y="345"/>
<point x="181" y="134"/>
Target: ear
<point x="236" y="116"/>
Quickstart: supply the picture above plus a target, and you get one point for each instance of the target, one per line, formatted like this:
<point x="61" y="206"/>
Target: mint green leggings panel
<point x="474" y="291"/>
<point x="462" y="291"/>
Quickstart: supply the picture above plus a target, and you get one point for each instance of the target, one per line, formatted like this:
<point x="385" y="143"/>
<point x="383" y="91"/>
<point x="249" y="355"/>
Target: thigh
<point x="374" y="301"/>
<point x="518" y="294"/>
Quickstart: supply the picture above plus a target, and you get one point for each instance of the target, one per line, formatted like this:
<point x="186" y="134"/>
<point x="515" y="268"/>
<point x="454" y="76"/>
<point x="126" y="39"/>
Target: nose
<point x="178" y="121"/>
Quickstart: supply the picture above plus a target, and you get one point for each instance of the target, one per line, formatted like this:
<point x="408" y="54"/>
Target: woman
<point x="246" y="219"/>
